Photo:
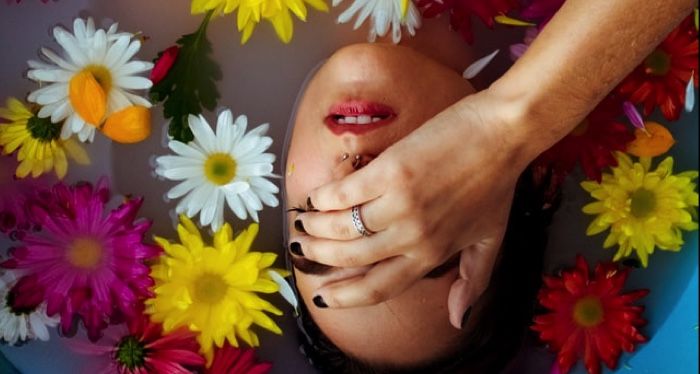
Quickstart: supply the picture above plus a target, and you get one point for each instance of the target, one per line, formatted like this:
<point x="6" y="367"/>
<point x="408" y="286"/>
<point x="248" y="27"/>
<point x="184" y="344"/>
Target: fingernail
<point x="299" y="226"/>
<point x="309" y="204"/>
<point x="465" y="318"/>
<point x="295" y="248"/>
<point x="318" y="301"/>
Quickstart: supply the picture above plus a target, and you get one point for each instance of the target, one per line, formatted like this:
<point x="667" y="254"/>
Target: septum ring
<point x="357" y="221"/>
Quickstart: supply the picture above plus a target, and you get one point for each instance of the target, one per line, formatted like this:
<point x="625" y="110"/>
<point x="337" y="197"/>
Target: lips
<point x="358" y="117"/>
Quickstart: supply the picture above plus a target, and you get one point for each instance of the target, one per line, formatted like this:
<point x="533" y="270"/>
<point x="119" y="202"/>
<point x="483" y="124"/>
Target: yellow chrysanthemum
<point x="643" y="209"/>
<point x="40" y="149"/>
<point x="212" y="290"/>
<point x="251" y="12"/>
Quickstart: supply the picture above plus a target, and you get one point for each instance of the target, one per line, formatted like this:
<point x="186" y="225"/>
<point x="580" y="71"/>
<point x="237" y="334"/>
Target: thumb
<point x="458" y="301"/>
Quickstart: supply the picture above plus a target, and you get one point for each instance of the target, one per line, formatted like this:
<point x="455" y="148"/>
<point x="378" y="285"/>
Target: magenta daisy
<point x="90" y="263"/>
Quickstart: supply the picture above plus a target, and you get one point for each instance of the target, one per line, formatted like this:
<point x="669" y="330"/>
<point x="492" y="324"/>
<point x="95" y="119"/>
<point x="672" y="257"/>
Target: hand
<point x="445" y="188"/>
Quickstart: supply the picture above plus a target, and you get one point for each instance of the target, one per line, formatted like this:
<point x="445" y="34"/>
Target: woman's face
<point x="361" y="101"/>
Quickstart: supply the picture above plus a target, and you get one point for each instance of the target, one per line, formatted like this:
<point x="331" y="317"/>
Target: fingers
<point x="458" y="301"/>
<point x="475" y="268"/>
<point x="338" y="225"/>
<point x="384" y="281"/>
<point x="351" y="253"/>
<point x="355" y="189"/>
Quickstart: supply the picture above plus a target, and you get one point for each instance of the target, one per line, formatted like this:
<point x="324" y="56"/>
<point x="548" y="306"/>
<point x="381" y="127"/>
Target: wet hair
<point x="509" y="301"/>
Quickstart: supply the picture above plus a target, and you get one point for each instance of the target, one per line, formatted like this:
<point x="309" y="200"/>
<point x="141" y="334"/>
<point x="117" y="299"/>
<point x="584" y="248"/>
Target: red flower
<point x="591" y="144"/>
<point x="589" y="317"/>
<point x="662" y="78"/>
<point x="164" y="63"/>
<point x="232" y="360"/>
<point x="461" y="12"/>
<point x="143" y="348"/>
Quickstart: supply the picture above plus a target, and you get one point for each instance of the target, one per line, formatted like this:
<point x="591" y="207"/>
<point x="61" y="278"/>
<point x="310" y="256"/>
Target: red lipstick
<point x="358" y="117"/>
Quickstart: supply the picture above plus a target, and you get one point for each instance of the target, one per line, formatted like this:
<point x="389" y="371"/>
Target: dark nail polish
<point x="295" y="248"/>
<point x="299" y="226"/>
<point x="318" y="301"/>
<point x="465" y="318"/>
<point x="309" y="204"/>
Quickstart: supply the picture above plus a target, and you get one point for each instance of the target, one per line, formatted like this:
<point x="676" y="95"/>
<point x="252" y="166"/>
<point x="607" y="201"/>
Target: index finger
<point x="384" y="281"/>
<point x="355" y="189"/>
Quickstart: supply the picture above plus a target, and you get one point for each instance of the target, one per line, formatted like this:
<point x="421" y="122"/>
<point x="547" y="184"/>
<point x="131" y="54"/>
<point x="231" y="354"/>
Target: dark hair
<point x="509" y="303"/>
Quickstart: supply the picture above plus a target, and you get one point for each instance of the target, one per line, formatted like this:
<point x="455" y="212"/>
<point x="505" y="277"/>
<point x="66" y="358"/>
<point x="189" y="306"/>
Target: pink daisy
<point x="91" y="264"/>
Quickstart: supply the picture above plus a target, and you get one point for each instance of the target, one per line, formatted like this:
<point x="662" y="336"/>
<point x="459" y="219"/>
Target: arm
<point x="579" y="57"/>
<point x="447" y="187"/>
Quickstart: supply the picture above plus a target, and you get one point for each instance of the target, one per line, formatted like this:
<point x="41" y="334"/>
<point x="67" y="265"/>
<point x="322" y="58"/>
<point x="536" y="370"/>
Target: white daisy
<point x="91" y="56"/>
<point x="230" y="165"/>
<point x="17" y="326"/>
<point x="385" y="13"/>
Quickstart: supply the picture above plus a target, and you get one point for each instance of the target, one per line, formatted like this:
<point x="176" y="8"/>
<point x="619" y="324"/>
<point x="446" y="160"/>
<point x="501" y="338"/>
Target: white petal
<point x="203" y="134"/>
<point x="185" y="150"/>
<point x="251" y="200"/>
<point x="200" y="196"/>
<point x="234" y="202"/>
<point x="474" y="69"/>
<point x="130" y="51"/>
<point x="183" y="173"/>
<point x="247" y="170"/>
<point x="262" y="184"/>
<point x="206" y="216"/>
<point x="61" y="112"/>
<point x="58" y="60"/>
<point x="268" y="199"/>
<point x="71" y="46"/>
<point x="98" y="49"/>
<point x="117" y="101"/>
<point x="224" y="131"/>
<point x="50" y="75"/>
<point x="169" y="162"/>
<point x="38" y="327"/>
<point x="137" y="100"/>
<point x="116" y="51"/>
<point x="133" y="67"/>
<point x="285" y="289"/>
<point x="690" y="93"/>
<point x="219" y="213"/>
<point x="49" y="94"/>
<point x="133" y="83"/>
<point x="185" y="187"/>
<point x="236" y="187"/>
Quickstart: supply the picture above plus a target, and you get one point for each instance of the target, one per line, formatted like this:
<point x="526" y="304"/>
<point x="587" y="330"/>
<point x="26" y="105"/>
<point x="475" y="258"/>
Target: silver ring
<point x="357" y="221"/>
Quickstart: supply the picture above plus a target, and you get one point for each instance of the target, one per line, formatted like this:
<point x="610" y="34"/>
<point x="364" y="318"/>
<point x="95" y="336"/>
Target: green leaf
<point x="190" y="85"/>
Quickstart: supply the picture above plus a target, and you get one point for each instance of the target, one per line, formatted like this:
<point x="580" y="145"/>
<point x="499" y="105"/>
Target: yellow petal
<point x="88" y="98"/>
<point x="505" y="20"/>
<point x="655" y="141"/>
<point x="130" y="125"/>
<point x="76" y="152"/>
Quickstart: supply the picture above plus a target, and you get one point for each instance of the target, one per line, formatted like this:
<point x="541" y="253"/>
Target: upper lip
<point x="358" y="116"/>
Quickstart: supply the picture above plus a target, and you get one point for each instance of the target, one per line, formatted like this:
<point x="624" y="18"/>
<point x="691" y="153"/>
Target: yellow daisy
<point x="643" y="209"/>
<point x="212" y="290"/>
<point x="40" y="149"/>
<point x="251" y="12"/>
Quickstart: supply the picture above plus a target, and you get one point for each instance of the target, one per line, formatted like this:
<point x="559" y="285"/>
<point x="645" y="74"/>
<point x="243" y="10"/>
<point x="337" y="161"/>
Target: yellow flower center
<point x="588" y="312"/>
<point x="210" y="288"/>
<point x="581" y="129"/>
<point x="85" y="253"/>
<point x="657" y="63"/>
<point x="220" y="168"/>
<point x="642" y="203"/>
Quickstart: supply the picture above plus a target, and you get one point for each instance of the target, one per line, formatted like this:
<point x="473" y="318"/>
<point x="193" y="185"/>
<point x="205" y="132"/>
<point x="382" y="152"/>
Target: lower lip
<point x="359" y="108"/>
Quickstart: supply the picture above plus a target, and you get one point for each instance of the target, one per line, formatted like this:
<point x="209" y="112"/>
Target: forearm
<point x="580" y="56"/>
